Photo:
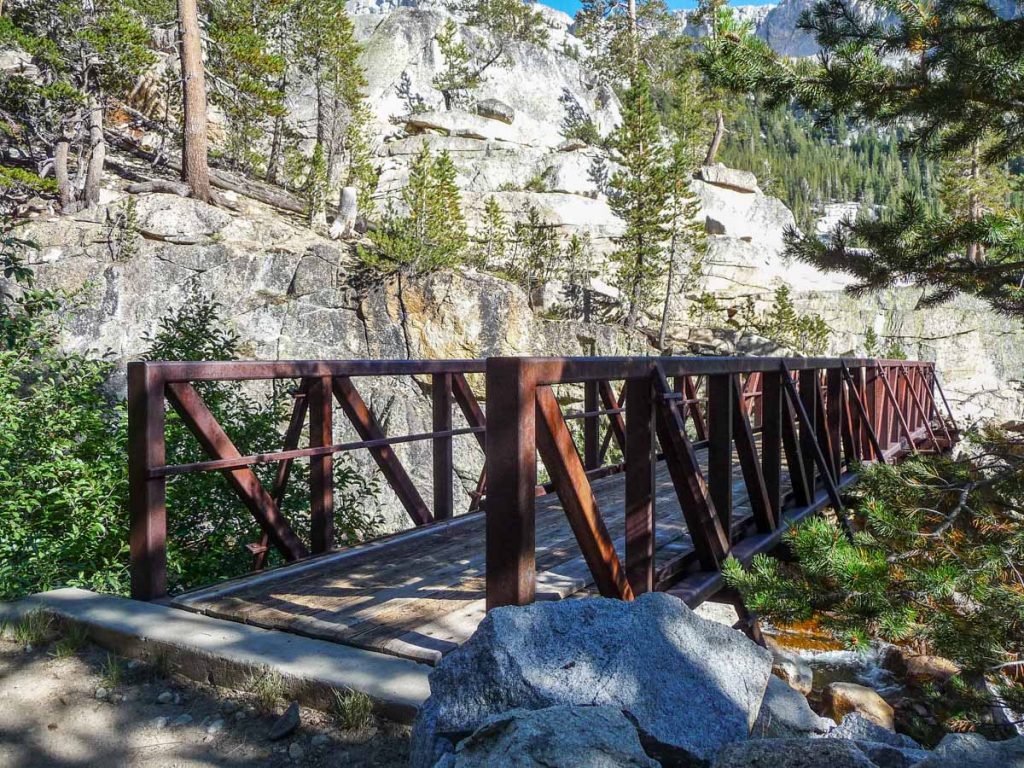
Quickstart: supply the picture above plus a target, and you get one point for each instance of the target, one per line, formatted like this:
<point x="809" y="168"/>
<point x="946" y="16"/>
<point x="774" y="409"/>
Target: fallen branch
<point x="277" y="198"/>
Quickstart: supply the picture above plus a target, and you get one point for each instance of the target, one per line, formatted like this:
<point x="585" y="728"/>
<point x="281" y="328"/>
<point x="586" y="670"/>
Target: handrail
<point x="819" y="416"/>
<point x="152" y="385"/>
<point x="869" y="410"/>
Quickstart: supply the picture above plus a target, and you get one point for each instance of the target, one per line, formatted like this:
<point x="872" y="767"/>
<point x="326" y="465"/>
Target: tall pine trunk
<point x="60" y="171"/>
<point x="277" y="140"/>
<point x="97" y="153"/>
<point x="194" y="168"/>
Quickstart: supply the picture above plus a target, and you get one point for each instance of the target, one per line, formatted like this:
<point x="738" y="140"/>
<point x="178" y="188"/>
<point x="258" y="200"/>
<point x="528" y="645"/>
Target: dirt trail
<point x="50" y="717"/>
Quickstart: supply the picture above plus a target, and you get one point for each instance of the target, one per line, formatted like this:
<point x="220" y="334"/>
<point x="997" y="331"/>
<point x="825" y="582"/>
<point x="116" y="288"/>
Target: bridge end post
<point x="511" y="468"/>
<point x="640" y="484"/>
<point x="146" y="493"/>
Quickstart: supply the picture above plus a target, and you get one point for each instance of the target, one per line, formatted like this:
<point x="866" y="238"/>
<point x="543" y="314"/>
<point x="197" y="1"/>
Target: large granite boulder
<point x="785" y="713"/>
<point x="843" y="698"/>
<point x="690" y="685"/>
<point x="730" y="178"/>
<point x="793" y="753"/>
<point x="971" y="750"/>
<point x="885" y="748"/>
<point x="793" y="670"/>
<point x="495" y="109"/>
<point x="856" y="727"/>
<point x="556" y="737"/>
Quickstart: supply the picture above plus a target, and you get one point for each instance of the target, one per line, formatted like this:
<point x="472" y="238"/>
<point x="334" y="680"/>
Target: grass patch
<point x="112" y="672"/>
<point x="268" y="688"/>
<point x="35" y="628"/>
<point x="352" y="709"/>
<point x="71" y="642"/>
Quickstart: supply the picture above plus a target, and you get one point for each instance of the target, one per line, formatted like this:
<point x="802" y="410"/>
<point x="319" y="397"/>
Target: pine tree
<point x="243" y="57"/>
<point x="639" y="195"/>
<point x="621" y="35"/>
<point x="431" y="234"/>
<point x="935" y="565"/>
<point x="958" y="93"/>
<point x="326" y="50"/>
<point x="536" y="252"/>
<point x="492" y="238"/>
<point x="460" y="74"/>
<point x="508" y="21"/>
<point x="688" y="239"/>
<point x="88" y="54"/>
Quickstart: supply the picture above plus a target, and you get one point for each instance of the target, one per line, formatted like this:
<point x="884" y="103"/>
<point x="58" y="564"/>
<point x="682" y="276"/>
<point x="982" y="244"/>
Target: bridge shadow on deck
<point x="422" y="593"/>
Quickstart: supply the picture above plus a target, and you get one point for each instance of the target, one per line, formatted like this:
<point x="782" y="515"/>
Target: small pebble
<point x="134" y="664"/>
<point x="215" y="727"/>
<point x="165" y="698"/>
<point x="160" y="722"/>
<point x="28" y="649"/>
<point x="180" y="720"/>
<point x="177" y="698"/>
<point x="229" y="707"/>
<point x="295" y="751"/>
<point x="320" y="740"/>
<point x="117" y="698"/>
<point x="240" y="715"/>
<point x="102" y="693"/>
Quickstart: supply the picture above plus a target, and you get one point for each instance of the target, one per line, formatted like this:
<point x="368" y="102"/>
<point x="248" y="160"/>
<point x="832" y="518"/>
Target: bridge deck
<point x="421" y="593"/>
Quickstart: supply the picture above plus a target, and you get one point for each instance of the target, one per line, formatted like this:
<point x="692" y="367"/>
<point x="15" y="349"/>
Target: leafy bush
<point x="63" y="454"/>
<point x="63" y="474"/>
<point x="805" y="334"/>
<point x="207" y="525"/>
<point x="936" y="562"/>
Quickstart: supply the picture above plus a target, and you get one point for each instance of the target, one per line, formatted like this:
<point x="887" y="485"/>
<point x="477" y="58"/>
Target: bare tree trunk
<point x="277" y="140"/>
<point x="673" y="247"/>
<point x="97" y="153"/>
<point x="975" y="252"/>
<point x="194" y="168"/>
<point x="60" y="172"/>
<point x="716" y="140"/>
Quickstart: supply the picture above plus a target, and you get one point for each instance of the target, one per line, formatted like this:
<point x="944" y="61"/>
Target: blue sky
<point x="571" y="6"/>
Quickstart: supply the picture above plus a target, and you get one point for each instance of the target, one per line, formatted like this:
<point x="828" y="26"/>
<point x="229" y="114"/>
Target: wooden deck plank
<point x="420" y="597"/>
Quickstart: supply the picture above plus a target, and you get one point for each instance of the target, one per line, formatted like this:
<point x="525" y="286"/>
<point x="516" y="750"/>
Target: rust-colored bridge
<point x="670" y="466"/>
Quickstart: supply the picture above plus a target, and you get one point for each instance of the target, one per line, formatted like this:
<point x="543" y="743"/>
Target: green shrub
<point x="431" y="234"/>
<point x="63" y="470"/>
<point x="936" y="562"/>
<point x="64" y="449"/>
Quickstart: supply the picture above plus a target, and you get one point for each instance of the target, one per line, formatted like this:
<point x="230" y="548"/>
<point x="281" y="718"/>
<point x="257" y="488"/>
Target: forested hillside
<point x="810" y="166"/>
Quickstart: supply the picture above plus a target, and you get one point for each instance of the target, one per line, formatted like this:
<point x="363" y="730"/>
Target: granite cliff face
<point x="291" y="293"/>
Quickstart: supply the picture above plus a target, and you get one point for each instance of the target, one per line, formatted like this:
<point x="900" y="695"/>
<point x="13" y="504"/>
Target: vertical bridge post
<point x="639" y="455"/>
<point x="511" y="466"/>
<point x="444" y="468"/>
<point x="146" y="494"/>
<point x="321" y="468"/>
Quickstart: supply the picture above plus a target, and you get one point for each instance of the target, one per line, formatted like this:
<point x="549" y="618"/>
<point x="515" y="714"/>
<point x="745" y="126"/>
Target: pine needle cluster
<point x="937" y="563"/>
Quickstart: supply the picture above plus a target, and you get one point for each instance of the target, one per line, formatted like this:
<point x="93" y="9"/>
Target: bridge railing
<point x="155" y="386"/>
<point x="815" y="416"/>
<point x="669" y="405"/>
